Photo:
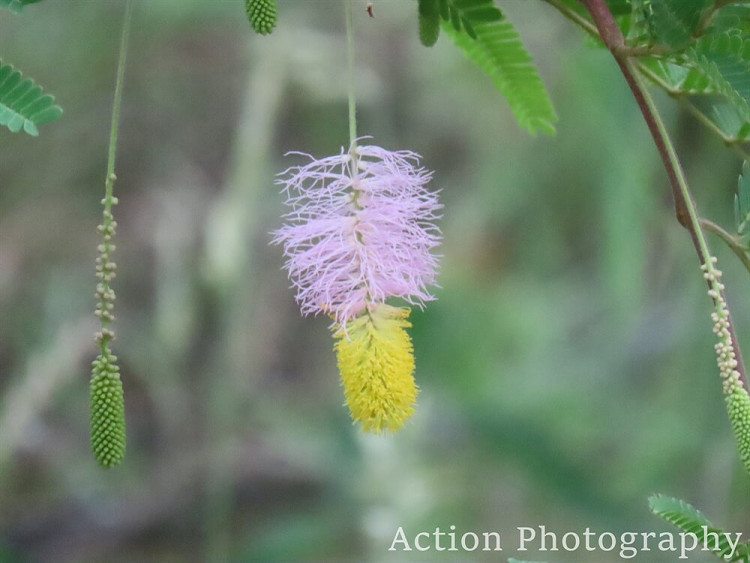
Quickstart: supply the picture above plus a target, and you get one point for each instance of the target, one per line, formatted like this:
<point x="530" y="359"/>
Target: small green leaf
<point x="690" y="520"/>
<point x="742" y="201"/>
<point x="455" y="18"/>
<point x="466" y="14"/>
<point x="726" y="117"/>
<point x="468" y="4"/>
<point x="22" y="104"/>
<point x="619" y="7"/>
<point x="429" y="22"/>
<point x="16" y="5"/>
<point x="444" y="9"/>
<point x="470" y="30"/>
<point x="678" y="78"/>
<point x="477" y="11"/>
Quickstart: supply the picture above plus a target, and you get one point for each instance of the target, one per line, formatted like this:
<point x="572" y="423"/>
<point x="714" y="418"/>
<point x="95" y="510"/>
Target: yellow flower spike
<point x="376" y="361"/>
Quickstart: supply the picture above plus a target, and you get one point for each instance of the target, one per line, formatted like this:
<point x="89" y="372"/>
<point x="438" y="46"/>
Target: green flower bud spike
<point x="262" y="15"/>
<point x="106" y="401"/>
<point x="738" y="406"/>
<point x="736" y="397"/>
<point x="107" y="411"/>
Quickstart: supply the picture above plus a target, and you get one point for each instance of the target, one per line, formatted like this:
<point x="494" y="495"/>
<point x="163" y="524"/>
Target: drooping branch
<point x="685" y="208"/>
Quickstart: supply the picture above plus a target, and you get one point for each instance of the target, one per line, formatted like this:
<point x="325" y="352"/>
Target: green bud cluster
<point x="105" y="271"/>
<point x="738" y="407"/>
<point x="726" y="359"/>
<point x="262" y="15"/>
<point x="107" y="407"/>
<point x="737" y="399"/>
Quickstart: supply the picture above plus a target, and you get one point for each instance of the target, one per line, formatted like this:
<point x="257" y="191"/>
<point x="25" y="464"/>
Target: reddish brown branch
<point x="605" y="23"/>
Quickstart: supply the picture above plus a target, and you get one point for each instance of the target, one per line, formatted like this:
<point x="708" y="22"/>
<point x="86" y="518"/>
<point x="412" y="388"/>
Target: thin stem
<point x="350" y="69"/>
<point x="687" y="212"/>
<point x="105" y="265"/>
<point x="574" y="16"/>
<point x="685" y="208"/>
<point x="109" y="185"/>
<point x="731" y="241"/>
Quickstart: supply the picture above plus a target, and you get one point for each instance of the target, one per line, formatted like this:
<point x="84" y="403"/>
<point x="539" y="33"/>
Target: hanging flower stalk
<point x="360" y="230"/>
<point x="106" y="399"/>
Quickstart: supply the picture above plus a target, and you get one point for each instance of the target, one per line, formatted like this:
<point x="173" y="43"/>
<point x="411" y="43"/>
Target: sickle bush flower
<point x="359" y="231"/>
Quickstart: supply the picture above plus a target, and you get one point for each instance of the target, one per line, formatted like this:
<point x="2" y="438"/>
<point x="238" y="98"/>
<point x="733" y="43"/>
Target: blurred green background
<point x="566" y="368"/>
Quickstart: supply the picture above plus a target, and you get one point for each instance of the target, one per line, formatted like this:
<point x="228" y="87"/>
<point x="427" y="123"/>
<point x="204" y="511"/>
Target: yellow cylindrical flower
<point x="376" y="361"/>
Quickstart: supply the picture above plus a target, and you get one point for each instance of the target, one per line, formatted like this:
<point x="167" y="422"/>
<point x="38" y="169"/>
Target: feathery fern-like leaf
<point x="733" y="17"/>
<point x="724" y="59"/>
<point x="677" y="78"/>
<point x="22" y="104"/>
<point x="742" y="201"/>
<point x="499" y="52"/>
<point x="691" y="520"/>
<point x="463" y="15"/>
<point x="16" y="5"/>
<point x="726" y="117"/>
<point x="674" y="22"/>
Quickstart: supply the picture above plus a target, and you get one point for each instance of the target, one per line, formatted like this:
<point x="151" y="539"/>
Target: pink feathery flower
<point x="360" y="230"/>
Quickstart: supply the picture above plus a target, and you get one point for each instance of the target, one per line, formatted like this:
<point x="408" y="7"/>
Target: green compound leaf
<point x="726" y="117"/>
<point x="107" y="411"/>
<point x="724" y="60"/>
<point x="742" y="201"/>
<point x="429" y="22"/>
<point x="497" y="49"/>
<point x="738" y="407"/>
<point x="677" y="78"/>
<point x="731" y="17"/>
<point x="635" y="24"/>
<point x="262" y="15"/>
<point x="16" y="5"/>
<point x="22" y="103"/>
<point x="690" y="520"/>
<point x="674" y="22"/>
